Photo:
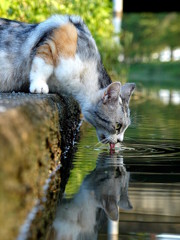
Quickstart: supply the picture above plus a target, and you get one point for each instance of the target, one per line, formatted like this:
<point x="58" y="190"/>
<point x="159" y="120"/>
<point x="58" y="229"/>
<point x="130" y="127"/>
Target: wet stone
<point x="34" y="131"/>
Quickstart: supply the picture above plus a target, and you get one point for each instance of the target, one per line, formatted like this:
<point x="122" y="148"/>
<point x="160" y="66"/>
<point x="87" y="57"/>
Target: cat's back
<point x="13" y="34"/>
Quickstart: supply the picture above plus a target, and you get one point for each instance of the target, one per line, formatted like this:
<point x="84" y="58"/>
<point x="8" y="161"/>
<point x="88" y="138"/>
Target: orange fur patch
<point x="44" y="52"/>
<point x="65" y="39"/>
<point x="63" y="42"/>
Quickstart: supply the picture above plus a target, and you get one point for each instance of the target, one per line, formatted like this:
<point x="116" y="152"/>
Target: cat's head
<point x="110" y="113"/>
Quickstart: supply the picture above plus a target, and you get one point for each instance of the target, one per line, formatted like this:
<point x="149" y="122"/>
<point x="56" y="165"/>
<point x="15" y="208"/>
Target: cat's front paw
<point x="39" y="87"/>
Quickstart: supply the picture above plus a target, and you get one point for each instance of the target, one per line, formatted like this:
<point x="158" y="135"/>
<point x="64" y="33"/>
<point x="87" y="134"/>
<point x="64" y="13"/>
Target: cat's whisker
<point x="129" y="138"/>
<point x="104" y="141"/>
<point x="97" y="144"/>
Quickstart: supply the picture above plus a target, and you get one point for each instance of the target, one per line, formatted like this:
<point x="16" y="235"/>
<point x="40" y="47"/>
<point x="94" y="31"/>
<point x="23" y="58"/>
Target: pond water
<point x="132" y="193"/>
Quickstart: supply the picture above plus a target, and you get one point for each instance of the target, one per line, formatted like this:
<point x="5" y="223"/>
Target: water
<point x="133" y="193"/>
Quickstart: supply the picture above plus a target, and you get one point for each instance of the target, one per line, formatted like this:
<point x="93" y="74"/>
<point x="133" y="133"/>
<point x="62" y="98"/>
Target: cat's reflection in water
<point x="102" y="192"/>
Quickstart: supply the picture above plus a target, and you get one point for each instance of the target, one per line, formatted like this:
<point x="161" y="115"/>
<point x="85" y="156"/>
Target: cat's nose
<point x="120" y="137"/>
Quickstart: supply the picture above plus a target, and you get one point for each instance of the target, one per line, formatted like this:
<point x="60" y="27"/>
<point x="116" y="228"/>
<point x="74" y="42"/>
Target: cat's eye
<point x="118" y="126"/>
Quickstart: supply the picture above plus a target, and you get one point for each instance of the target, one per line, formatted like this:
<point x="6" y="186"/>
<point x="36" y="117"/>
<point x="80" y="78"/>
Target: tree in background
<point x="170" y="31"/>
<point x="147" y="33"/>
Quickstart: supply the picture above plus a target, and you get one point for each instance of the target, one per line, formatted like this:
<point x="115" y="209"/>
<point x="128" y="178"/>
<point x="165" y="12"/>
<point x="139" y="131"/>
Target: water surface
<point x="133" y="192"/>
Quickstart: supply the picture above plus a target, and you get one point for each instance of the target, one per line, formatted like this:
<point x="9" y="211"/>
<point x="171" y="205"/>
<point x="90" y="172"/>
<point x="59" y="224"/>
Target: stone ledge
<point x="34" y="131"/>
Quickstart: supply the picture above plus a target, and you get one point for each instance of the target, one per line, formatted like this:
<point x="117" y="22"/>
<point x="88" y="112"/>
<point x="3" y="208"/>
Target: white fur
<point x="120" y="100"/>
<point x="112" y="138"/>
<point x="77" y="78"/>
<point x="68" y="72"/>
<point x="120" y="136"/>
<point x="40" y="72"/>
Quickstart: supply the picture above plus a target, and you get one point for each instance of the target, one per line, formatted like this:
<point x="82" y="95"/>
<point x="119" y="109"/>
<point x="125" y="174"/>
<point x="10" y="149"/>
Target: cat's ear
<point x="126" y="91"/>
<point x="112" y="92"/>
<point x="110" y="207"/>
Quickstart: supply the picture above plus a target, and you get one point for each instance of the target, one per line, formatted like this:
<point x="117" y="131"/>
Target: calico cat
<point x="101" y="194"/>
<point x="60" y="55"/>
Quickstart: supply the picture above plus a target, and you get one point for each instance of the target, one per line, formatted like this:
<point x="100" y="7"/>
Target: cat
<point x="101" y="194"/>
<point x="60" y="55"/>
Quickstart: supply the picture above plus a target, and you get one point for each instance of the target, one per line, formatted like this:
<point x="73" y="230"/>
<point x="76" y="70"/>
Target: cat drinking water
<point x="60" y="55"/>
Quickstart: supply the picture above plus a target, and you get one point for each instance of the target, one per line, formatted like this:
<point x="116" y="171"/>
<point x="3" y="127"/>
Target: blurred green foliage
<point x="147" y="33"/>
<point x="143" y="38"/>
<point x="155" y="75"/>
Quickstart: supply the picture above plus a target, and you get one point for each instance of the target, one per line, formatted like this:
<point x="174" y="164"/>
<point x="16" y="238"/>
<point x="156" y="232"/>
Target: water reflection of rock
<point x="101" y="194"/>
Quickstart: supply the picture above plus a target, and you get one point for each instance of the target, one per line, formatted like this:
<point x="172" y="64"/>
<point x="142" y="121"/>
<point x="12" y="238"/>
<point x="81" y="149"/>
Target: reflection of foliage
<point x="146" y="33"/>
<point x="85" y="158"/>
<point x="155" y="121"/>
<point x="155" y="74"/>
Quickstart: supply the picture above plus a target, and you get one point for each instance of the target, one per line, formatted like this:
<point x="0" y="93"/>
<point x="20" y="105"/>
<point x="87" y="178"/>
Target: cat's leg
<point x="62" y="43"/>
<point x="40" y="72"/>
